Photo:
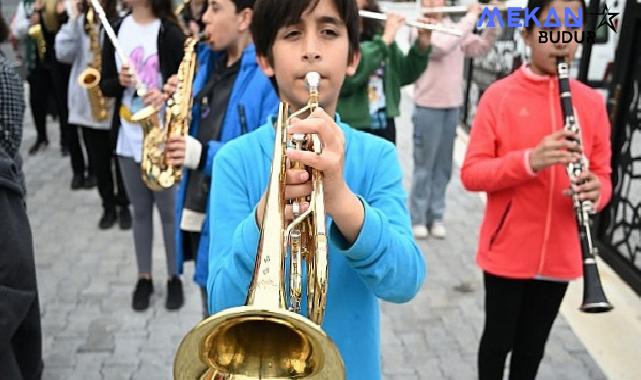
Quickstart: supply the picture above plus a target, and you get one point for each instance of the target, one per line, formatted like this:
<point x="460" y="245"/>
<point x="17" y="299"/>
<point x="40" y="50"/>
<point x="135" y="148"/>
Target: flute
<point x="460" y="8"/>
<point x="141" y="90"/>
<point x="413" y="23"/>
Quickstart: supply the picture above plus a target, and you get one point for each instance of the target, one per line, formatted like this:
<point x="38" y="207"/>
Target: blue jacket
<point x="252" y="91"/>
<point x="384" y="261"/>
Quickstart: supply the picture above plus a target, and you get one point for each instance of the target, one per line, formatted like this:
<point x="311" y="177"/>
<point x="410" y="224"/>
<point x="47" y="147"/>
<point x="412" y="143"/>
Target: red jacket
<point x="529" y="228"/>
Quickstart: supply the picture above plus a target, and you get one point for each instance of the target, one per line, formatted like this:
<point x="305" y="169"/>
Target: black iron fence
<point x="619" y="228"/>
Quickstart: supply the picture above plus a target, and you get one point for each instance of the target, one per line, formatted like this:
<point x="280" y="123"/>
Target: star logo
<point x="607" y="18"/>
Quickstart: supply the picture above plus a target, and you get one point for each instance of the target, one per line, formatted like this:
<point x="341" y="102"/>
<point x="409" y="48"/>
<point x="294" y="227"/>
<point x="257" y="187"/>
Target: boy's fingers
<point x="296" y="176"/>
<point x="297" y="191"/>
<point x="319" y="123"/>
<point x="308" y="158"/>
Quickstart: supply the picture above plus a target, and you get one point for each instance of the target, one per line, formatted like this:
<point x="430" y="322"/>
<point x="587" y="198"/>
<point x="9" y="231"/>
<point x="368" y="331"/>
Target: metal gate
<point x="619" y="227"/>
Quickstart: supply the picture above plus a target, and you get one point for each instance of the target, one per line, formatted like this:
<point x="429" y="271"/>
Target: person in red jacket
<point x="529" y="246"/>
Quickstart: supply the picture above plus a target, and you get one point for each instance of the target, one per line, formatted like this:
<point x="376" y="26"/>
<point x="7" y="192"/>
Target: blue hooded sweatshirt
<point x="384" y="261"/>
<point x="252" y="92"/>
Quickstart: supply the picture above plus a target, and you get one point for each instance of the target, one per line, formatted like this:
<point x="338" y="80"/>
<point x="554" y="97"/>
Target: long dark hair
<point x="163" y="10"/>
<point x="371" y="27"/>
<point x="4" y="28"/>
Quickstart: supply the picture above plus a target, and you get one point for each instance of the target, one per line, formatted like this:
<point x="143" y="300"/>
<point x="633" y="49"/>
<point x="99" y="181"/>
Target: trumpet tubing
<point x="267" y="339"/>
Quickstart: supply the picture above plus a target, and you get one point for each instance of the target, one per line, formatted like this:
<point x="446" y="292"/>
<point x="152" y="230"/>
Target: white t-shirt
<point x="139" y="43"/>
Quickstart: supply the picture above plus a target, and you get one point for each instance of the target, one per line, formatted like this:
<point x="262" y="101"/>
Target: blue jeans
<point x="434" y="133"/>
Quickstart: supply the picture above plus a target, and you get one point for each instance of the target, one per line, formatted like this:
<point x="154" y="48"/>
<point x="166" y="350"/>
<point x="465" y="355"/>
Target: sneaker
<point x="438" y="230"/>
<point x="420" y="231"/>
<point x="108" y="219"/>
<point x="77" y="182"/>
<point x="90" y="182"/>
<point x="37" y="146"/>
<point x="175" y="297"/>
<point x="142" y="293"/>
<point x="124" y="218"/>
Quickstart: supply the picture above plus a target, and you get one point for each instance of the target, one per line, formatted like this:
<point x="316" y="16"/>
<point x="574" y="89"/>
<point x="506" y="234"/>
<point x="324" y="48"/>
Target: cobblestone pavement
<point x="86" y="277"/>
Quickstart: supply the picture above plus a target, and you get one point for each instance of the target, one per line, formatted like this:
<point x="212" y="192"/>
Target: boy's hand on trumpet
<point x="340" y="203"/>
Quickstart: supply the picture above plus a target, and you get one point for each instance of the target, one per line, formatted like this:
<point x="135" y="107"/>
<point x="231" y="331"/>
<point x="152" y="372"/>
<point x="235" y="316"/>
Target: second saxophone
<point x="90" y="77"/>
<point x="156" y="173"/>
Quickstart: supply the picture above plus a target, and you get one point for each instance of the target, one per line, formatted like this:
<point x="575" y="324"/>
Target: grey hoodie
<point x="72" y="46"/>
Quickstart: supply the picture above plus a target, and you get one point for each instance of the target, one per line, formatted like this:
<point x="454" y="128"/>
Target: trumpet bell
<point x="251" y="343"/>
<point x="89" y="78"/>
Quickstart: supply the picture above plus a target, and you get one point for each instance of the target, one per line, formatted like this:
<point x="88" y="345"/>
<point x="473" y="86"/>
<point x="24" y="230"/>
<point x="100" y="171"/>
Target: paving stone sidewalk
<point x="86" y="277"/>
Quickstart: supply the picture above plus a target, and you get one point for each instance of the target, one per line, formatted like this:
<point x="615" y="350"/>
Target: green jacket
<point x="400" y="70"/>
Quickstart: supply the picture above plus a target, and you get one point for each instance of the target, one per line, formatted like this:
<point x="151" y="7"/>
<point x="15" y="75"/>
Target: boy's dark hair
<point x="543" y="4"/>
<point x="271" y="15"/>
<point x="4" y="29"/>
<point x="242" y="4"/>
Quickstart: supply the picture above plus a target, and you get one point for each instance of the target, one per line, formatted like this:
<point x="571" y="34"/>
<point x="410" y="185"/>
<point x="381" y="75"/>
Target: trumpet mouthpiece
<point x="312" y="79"/>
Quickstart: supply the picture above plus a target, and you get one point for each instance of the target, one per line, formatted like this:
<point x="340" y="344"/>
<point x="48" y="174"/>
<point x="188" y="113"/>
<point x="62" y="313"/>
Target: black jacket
<point x="170" y="45"/>
<point x="20" y="333"/>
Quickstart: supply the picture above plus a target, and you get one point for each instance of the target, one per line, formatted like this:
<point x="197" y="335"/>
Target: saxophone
<point x="90" y="77"/>
<point x="156" y="173"/>
<point x="49" y="17"/>
<point x="36" y="34"/>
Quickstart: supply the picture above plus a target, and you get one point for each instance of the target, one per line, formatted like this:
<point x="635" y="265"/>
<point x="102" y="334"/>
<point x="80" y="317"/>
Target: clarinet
<point x="594" y="300"/>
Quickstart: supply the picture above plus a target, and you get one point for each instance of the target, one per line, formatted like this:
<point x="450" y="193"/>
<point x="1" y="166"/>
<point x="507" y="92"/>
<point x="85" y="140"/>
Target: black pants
<point x="104" y="167"/>
<point x="76" y="154"/>
<point x="191" y="241"/>
<point x="44" y="82"/>
<point x="518" y="318"/>
<point x="388" y="133"/>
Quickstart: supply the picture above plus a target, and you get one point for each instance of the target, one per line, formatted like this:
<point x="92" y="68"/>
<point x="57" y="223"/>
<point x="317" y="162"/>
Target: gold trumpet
<point x="265" y="339"/>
